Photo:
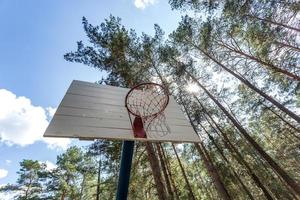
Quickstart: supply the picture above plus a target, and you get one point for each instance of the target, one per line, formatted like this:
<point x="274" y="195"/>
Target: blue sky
<point x="33" y="74"/>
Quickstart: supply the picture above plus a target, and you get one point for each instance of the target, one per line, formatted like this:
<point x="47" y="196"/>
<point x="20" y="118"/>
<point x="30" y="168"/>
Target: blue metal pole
<point x="124" y="174"/>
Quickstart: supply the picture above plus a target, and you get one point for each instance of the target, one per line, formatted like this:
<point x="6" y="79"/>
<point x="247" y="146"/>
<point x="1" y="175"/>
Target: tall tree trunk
<point x="98" y="179"/>
<point x="235" y="153"/>
<point x="82" y="187"/>
<point x="163" y="166"/>
<point x="287" y="45"/>
<point x="154" y="164"/>
<point x="227" y="161"/>
<point x="208" y="163"/>
<point x="292" y="193"/>
<point x="247" y="83"/>
<point x="273" y="22"/>
<point x="191" y="194"/>
<point x="285" y="121"/>
<point x="207" y="189"/>
<point x="293" y="184"/>
<point x="28" y="187"/>
<point x="269" y="65"/>
<point x="223" y="156"/>
<point x="168" y="167"/>
<point x="213" y="172"/>
<point x="272" y="174"/>
<point x="63" y="195"/>
<point x="64" y="190"/>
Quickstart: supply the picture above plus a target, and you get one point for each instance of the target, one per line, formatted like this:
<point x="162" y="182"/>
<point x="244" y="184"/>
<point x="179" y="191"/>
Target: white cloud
<point x="22" y="123"/>
<point x="142" y="4"/>
<point x="51" y="111"/>
<point x="49" y="165"/>
<point x="7" y="162"/>
<point x="57" y="143"/>
<point x="3" y="173"/>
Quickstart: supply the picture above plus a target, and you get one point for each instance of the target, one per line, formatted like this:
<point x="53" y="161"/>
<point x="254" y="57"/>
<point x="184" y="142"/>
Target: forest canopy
<point x="233" y="67"/>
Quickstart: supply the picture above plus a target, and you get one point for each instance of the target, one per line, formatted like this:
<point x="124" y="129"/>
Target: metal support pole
<point x="124" y="174"/>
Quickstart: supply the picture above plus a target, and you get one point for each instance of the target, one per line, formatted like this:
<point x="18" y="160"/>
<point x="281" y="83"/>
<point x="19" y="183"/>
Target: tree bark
<point x="273" y="22"/>
<point x="191" y="194"/>
<point x="285" y="121"/>
<point x="169" y="172"/>
<point x="236" y="153"/>
<point x="82" y="187"/>
<point x="293" y="184"/>
<point x="269" y="65"/>
<point x="98" y="179"/>
<point x="64" y="190"/>
<point x="208" y="163"/>
<point x="251" y="86"/>
<point x="213" y="172"/>
<point x="163" y="166"/>
<point x="272" y="174"/>
<point x="154" y="164"/>
<point x="287" y="45"/>
<point x="252" y="174"/>
<point x="63" y="195"/>
<point x="207" y="189"/>
<point x="227" y="161"/>
<point x="28" y="187"/>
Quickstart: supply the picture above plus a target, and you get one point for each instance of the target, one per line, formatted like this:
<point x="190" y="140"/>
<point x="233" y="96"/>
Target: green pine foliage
<point x="243" y="56"/>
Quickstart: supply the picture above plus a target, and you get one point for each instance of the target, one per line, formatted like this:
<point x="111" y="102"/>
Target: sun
<point x="192" y="88"/>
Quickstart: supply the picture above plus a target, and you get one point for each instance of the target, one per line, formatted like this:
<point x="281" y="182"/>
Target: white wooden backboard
<point x="93" y="111"/>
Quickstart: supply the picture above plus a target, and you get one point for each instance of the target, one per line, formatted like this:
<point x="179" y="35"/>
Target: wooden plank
<point x="116" y="110"/>
<point x="70" y="98"/>
<point x="117" y="134"/>
<point x="111" y="114"/>
<point x="97" y="86"/>
<point x="60" y="120"/>
<point x="87" y="132"/>
<point x="101" y="92"/>
<point x="114" y="116"/>
<point x="118" y="100"/>
<point x="105" y="88"/>
<point x="93" y="122"/>
<point x="106" y="105"/>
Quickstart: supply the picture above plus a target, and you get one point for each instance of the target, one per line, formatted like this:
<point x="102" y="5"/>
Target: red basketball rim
<point x="147" y="83"/>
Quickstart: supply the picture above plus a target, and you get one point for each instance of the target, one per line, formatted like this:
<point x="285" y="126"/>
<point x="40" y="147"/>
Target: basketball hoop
<point x="146" y="103"/>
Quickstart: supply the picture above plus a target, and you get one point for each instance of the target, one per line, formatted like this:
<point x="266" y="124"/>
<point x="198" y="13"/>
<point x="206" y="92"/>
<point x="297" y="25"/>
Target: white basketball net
<point x="148" y="101"/>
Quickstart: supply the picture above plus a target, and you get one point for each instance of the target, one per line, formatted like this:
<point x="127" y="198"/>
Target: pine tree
<point x="30" y="182"/>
